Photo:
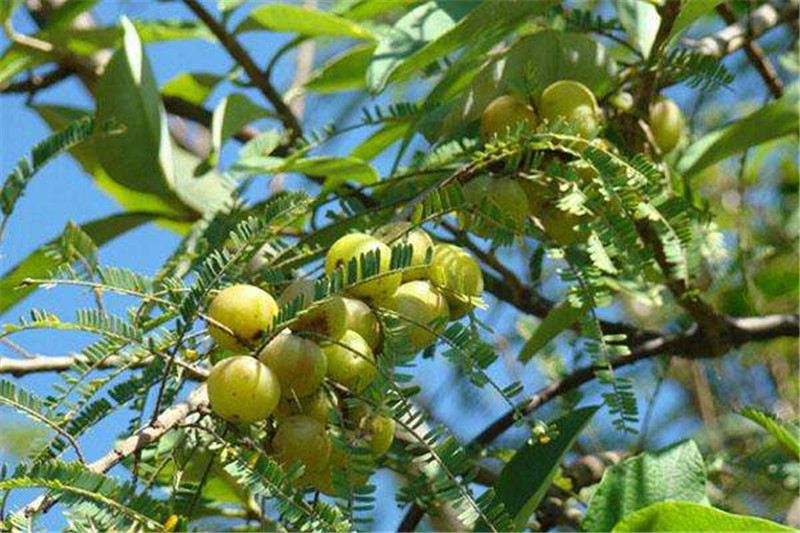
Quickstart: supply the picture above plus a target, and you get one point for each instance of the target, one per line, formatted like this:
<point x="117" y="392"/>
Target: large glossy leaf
<point x="691" y="10"/>
<point x="302" y="20"/>
<point x="202" y="188"/>
<point x="641" y="21"/>
<point x="785" y="433"/>
<point x="772" y="121"/>
<point x="687" y="516"/>
<point x="560" y="318"/>
<point x="674" y="473"/>
<point x="193" y="87"/>
<point x="526" y="477"/>
<point x="141" y="158"/>
<point x="345" y="72"/>
<point x="38" y="264"/>
<point x="57" y="117"/>
<point x="379" y="141"/>
<point x="232" y="113"/>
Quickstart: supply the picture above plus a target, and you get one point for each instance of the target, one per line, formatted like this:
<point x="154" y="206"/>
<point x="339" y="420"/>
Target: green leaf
<point x="141" y="158"/>
<point x="378" y="142"/>
<point x="547" y="56"/>
<point x="690" y="12"/>
<point x="641" y="21"/>
<point x="345" y="72"/>
<point x="58" y="117"/>
<point x="198" y="186"/>
<point x="673" y="473"/>
<point x="772" y="121"/>
<point x="784" y="433"/>
<point x="561" y="317"/>
<point x="302" y="20"/>
<point x="687" y="516"/>
<point x="7" y="8"/>
<point x="193" y="87"/>
<point x="336" y="170"/>
<point x="232" y="113"/>
<point x="526" y="477"/>
<point x="38" y="264"/>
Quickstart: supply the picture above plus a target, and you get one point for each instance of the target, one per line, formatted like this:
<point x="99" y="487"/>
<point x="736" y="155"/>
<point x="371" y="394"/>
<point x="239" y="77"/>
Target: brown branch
<point x="243" y="59"/>
<point x="755" y="54"/>
<point x="43" y="363"/>
<point x="38" y="82"/>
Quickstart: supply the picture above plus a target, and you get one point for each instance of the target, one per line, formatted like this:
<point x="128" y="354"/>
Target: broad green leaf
<point x="784" y="433"/>
<point x="421" y="25"/>
<point x="57" y="117"/>
<point x="141" y="158"/>
<point x="673" y="473"/>
<point x="370" y="9"/>
<point x="526" y="477"/>
<point x="232" y="113"/>
<point x="302" y="20"/>
<point x="691" y="10"/>
<point x="38" y="264"/>
<point x="772" y="121"/>
<point x="203" y="189"/>
<point x="193" y="87"/>
<point x="547" y="56"/>
<point x="378" y="142"/>
<point x="345" y="72"/>
<point x="641" y="21"/>
<point x="687" y="516"/>
<point x="560" y="318"/>
<point x="66" y="12"/>
<point x="336" y="170"/>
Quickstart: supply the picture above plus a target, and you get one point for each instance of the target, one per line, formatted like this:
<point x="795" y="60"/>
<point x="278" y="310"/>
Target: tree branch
<point x="38" y="82"/>
<point x="242" y="58"/>
<point x="44" y="363"/>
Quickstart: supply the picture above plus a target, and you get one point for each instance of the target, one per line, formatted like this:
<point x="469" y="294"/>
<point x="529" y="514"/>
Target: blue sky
<point x="61" y="192"/>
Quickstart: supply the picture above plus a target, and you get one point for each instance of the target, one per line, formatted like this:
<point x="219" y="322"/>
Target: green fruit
<point x="538" y="194"/>
<point x="241" y="389"/>
<point x="571" y="101"/>
<point x="302" y="439"/>
<point x="458" y="275"/>
<point x="246" y="311"/>
<point x="562" y="226"/>
<point x="504" y="114"/>
<point x="380" y="434"/>
<point x="503" y="194"/>
<point x="420" y="241"/>
<point x="299" y="364"/>
<point x="351" y="362"/>
<point x="666" y="123"/>
<point x="317" y="406"/>
<point x="418" y="305"/>
<point x="354" y="246"/>
<point x="344" y="314"/>
<point x="313" y="320"/>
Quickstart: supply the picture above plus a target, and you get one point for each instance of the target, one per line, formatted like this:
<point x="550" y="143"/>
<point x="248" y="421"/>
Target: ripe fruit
<point x="245" y="310"/>
<point x="666" y="123"/>
<point x="503" y="114"/>
<point x="352" y="365"/>
<point x="503" y="194"/>
<point x="317" y="406"/>
<point x="310" y="321"/>
<point x="241" y="389"/>
<point x="299" y="364"/>
<point x="420" y="241"/>
<point x="344" y="314"/>
<point x="458" y="275"/>
<point x="418" y="304"/>
<point x="353" y="246"/>
<point x="573" y="102"/>
<point x="380" y="434"/>
<point x="561" y="225"/>
<point x="301" y="438"/>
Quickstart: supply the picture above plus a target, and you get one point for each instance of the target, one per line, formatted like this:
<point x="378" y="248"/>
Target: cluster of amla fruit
<point x="331" y="345"/>
<point x="516" y="198"/>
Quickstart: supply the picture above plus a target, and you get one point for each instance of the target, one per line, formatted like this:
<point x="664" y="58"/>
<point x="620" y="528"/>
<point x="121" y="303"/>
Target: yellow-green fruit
<point x="317" y="406"/>
<point x="458" y="275"/>
<point x="241" y="389"/>
<point x="354" y="246"/>
<point x="323" y="481"/>
<point x="299" y="364"/>
<point x="571" y="101"/>
<point x="352" y="365"/>
<point x="504" y="114"/>
<point x="418" y="304"/>
<point x="538" y="195"/>
<point x="420" y="241"/>
<point x="666" y="123"/>
<point x="562" y="226"/>
<point x="301" y="438"/>
<point x="505" y="195"/>
<point x="380" y="434"/>
<point x="344" y="314"/>
<point x="310" y="321"/>
<point x="246" y="311"/>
